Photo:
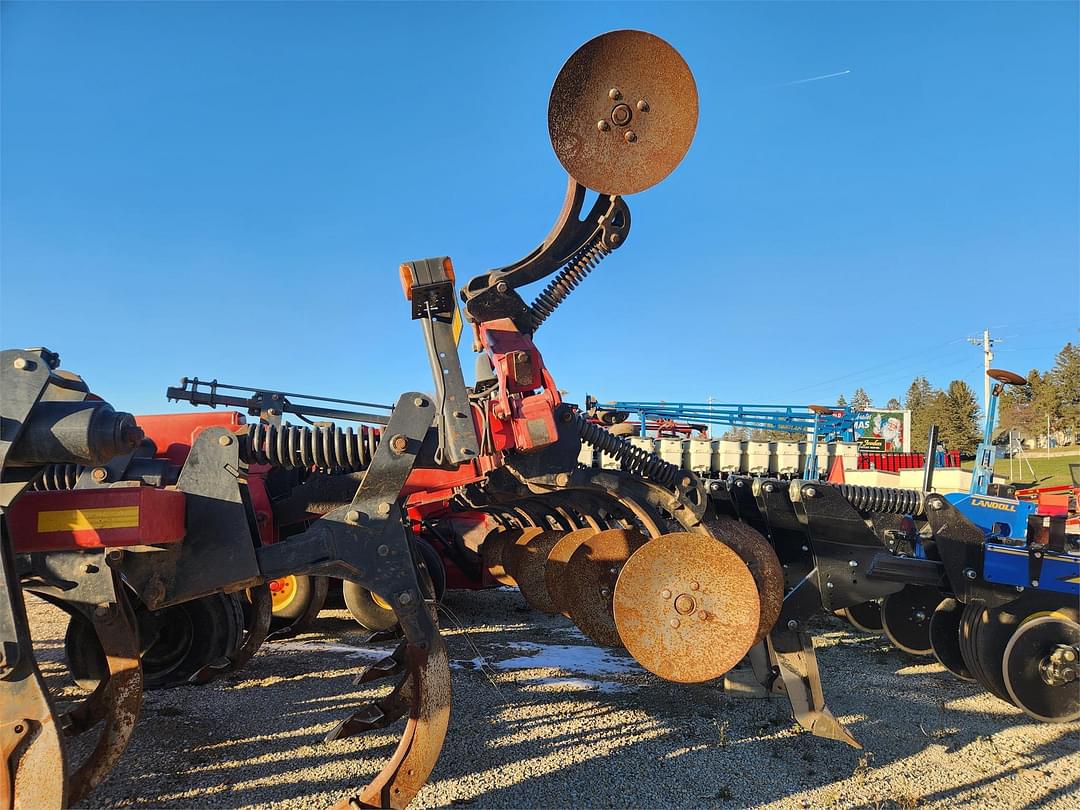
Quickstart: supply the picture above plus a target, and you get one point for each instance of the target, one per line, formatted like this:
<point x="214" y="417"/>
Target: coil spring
<point x="58" y="476"/>
<point x="326" y="448"/>
<point x="884" y="500"/>
<point x="633" y="459"/>
<point x="583" y="263"/>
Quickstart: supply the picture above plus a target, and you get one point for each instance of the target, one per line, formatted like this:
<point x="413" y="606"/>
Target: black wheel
<point x="435" y="568"/>
<point x="905" y="618"/>
<point x="296" y="600"/>
<point x="1042" y="671"/>
<point x="369" y="609"/>
<point x="865" y="616"/>
<point x="945" y="637"/>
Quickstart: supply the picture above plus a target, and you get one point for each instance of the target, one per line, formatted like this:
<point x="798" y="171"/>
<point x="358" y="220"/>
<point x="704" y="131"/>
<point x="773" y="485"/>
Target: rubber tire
<point x="363" y="608"/>
<point x="436" y="568"/>
<point x="310" y="597"/>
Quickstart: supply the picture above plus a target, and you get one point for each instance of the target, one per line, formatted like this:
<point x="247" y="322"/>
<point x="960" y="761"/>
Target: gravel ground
<point x="542" y="718"/>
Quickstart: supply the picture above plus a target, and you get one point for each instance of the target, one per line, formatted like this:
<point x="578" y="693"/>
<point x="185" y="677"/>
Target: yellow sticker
<point x="457" y="325"/>
<point x="74" y="520"/>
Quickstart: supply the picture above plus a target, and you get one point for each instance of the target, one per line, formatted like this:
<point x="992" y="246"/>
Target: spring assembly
<point x="633" y="459"/>
<point x="57" y="477"/>
<point x="329" y="449"/>
<point x="884" y="500"/>
<point x="560" y="287"/>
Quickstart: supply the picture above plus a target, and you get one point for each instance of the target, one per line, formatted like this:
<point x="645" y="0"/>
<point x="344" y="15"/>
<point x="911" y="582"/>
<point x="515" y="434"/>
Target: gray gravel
<point x="544" y="719"/>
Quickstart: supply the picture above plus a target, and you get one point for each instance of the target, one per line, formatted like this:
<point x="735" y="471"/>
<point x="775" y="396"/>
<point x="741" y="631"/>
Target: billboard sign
<point x="883" y="431"/>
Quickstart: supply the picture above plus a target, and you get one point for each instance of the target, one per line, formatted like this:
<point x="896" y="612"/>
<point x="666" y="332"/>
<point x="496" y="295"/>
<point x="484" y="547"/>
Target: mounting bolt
<point x="630" y="136"/>
<point x="674" y="622"/>
<point x="419" y="402"/>
<point x="809" y="492"/>
<point x="919" y="616"/>
<point x="768" y="487"/>
<point x="936" y="503"/>
<point x="114" y="556"/>
<point x="99" y="474"/>
<point x="694" y="586"/>
<point x="1034" y="583"/>
<point x="643" y="106"/>
<point x="562" y="479"/>
<point x="805" y="548"/>
<point x="1069" y="655"/>
<point x="685" y="481"/>
<point x="20" y="363"/>
<point x="383" y="508"/>
<point x="665" y="593"/>
<point x="715" y="486"/>
<point x="615" y="239"/>
<point x="102" y="610"/>
<point x="605" y="592"/>
<point x="614" y="94"/>
<point x="225" y="440"/>
<point x="398" y="443"/>
<point x="603" y="125"/>
<point x="829" y="585"/>
<point x="567" y="416"/>
<point x="970" y="573"/>
<point x="1038" y="555"/>
<point x="502" y="286"/>
<point x="383" y="550"/>
<point x="792" y="625"/>
<point x="352" y="516"/>
<point x="853" y="563"/>
<point x="404" y="598"/>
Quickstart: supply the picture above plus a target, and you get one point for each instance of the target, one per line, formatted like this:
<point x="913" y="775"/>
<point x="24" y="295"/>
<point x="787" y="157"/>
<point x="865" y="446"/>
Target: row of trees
<point x="1052" y="395"/>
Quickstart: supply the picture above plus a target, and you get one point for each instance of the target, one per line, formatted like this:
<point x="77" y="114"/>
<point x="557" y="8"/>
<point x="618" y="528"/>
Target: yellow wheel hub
<point x="282" y="592"/>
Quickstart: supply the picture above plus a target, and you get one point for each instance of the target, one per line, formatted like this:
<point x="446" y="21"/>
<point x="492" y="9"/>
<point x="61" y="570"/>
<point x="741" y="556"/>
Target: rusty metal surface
<point x="555" y="567"/>
<point x="589" y="582"/>
<point x="763" y="563"/>
<point x="530" y="568"/>
<point x="622" y="112"/>
<point x="686" y="607"/>
<point x="491" y="553"/>
<point x="427" y="690"/>
<point x="512" y="551"/>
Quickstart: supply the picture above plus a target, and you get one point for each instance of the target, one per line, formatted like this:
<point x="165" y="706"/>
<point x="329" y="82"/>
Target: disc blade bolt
<point x="674" y="622"/>
<point x="695" y="586"/>
<point x="603" y="125"/>
<point x="643" y="106"/>
<point x="665" y="593"/>
<point x="614" y="94"/>
<point x="630" y="136"/>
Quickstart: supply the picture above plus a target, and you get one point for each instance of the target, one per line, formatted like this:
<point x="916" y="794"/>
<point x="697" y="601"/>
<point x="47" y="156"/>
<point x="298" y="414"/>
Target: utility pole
<point x="987" y="344"/>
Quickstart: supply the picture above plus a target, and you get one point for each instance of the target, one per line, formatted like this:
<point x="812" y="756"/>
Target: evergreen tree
<point x="860" y="400"/>
<point x="922" y="401"/>
<point x="960" y="418"/>
<point x="893" y="404"/>
<point x="1065" y="376"/>
<point x="841" y="402"/>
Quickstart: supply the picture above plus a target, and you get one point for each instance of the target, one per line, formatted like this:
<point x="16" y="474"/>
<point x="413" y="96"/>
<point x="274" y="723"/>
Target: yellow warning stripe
<point x="73" y="520"/>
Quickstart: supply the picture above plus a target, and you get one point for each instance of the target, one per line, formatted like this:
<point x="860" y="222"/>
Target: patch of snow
<point x="568" y="658"/>
<point x="367" y="653"/>
<point x="578" y="684"/>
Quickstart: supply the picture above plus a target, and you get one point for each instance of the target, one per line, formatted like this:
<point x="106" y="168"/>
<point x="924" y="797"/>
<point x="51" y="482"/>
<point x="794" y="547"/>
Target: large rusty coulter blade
<point x="589" y="582"/>
<point x="622" y="112"/>
<point x="555" y="567"/>
<point x="515" y="547"/>
<point x="763" y="563"/>
<point x="491" y="553"/>
<point x="530" y="567"/>
<point x="686" y="607"/>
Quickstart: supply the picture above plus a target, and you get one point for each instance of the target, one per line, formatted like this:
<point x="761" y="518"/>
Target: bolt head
<point x="695" y="586"/>
<point x="810" y="492"/>
<point x="404" y="598"/>
<point x="562" y="479"/>
<point x="685" y="481"/>
<point x="614" y="94"/>
<point x="352" y="516"/>
<point x="398" y="443"/>
<point x="99" y="474"/>
<point x="853" y="563"/>
<point x="20" y="363"/>
<point x="383" y="550"/>
<point x="502" y="286"/>
<point x="114" y="556"/>
<point x="674" y="622"/>
<point x="792" y="625"/>
<point x="384" y="508"/>
<point x="225" y="440"/>
<point x="605" y="592"/>
<point x="970" y="573"/>
<point x="937" y="503"/>
<point x="630" y="136"/>
<point x="419" y="402"/>
<point x="829" y="585"/>
<point x="1034" y="583"/>
<point x="666" y="594"/>
<point x="643" y="106"/>
<point x="603" y="125"/>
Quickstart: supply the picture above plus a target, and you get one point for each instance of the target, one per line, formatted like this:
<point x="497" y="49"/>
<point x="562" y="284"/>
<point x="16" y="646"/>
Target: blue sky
<point x="227" y="190"/>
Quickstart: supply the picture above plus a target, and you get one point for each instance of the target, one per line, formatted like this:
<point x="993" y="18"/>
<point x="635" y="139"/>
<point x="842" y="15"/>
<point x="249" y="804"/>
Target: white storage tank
<point x="643" y="442"/>
<point x="787" y="458"/>
<point x="726" y="456"/>
<point x="698" y="456"/>
<point x="587" y="455"/>
<point x="757" y="458"/>
<point x="822" y="458"/>
<point x="849" y="451"/>
<point x="670" y="450"/>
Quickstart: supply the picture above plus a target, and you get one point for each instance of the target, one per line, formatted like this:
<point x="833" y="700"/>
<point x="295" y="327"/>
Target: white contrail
<point x="815" y="78"/>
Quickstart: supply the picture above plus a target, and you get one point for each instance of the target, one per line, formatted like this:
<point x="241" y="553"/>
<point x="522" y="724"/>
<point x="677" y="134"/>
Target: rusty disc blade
<point x="589" y="582"/>
<point x="622" y="112"/>
<point x="515" y="546"/>
<point x="686" y="607"/>
<point x="763" y="563"/>
<point x="555" y="567"/>
<point x="530" y="567"/>
<point x="491" y="553"/>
